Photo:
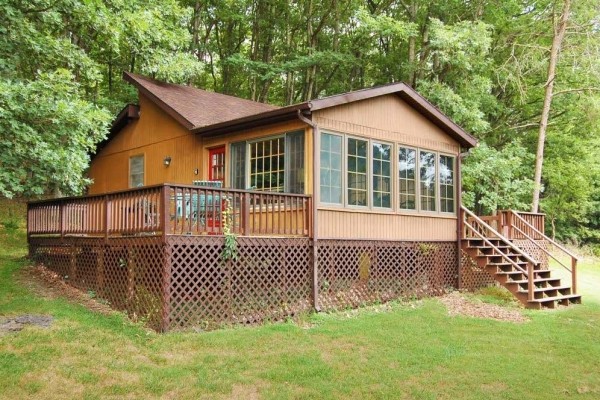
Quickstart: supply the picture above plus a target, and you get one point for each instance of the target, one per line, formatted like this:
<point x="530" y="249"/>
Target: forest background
<point x="486" y="64"/>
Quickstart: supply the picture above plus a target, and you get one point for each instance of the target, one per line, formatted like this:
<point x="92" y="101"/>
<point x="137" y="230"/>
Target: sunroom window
<point x="357" y="172"/>
<point x="331" y="168"/>
<point x="382" y="175"/>
<point x="267" y="158"/>
<point x="427" y="180"/>
<point x="446" y="184"/>
<point x="407" y="166"/>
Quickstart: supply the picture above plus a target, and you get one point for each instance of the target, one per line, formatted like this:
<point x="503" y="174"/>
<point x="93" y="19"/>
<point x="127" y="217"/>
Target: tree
<point x="559" y="34"/>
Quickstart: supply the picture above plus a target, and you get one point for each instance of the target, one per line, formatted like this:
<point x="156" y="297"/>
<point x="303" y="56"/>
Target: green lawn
<point x="413" y="350"/>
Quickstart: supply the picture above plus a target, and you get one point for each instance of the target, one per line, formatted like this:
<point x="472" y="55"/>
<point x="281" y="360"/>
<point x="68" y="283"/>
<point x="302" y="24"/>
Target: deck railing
<point x="173" y="210"/>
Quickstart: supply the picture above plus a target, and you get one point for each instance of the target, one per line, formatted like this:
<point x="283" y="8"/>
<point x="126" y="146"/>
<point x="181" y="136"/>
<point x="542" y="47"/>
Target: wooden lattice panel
<point x="271" y="279"/>
<point x="126" y="272"/>
<point x="472" y="276"/>
<point x="357" y="272"/>
<point x="534" y="251"/>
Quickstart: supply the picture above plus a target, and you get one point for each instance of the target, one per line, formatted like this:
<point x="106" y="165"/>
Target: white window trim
<point x="248" y="156"/>
<point x="395" y="184"/>
<point x="392" y="175"/>
<point x="342" y="171"/>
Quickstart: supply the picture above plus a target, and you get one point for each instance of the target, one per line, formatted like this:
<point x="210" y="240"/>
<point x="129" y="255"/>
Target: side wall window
<point x="424" y="179"/>
<point x="331" y="169"/>
<point x="267" y="161"/>
<point x="357" y="172"/>
<point x="446" y="184"/>
<point x="427" y="178"/>
<point x="136" y="171"/>
<point x="407" y="167"/>
<point x="382" y="175"/>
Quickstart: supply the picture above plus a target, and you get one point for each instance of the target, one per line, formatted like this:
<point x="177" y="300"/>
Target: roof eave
<point x="252" y="121"/>
<point x="160" y="103"/>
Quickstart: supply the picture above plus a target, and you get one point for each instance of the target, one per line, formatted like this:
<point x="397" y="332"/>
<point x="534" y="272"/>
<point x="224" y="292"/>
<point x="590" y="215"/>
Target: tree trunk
<point x="559" y="34"/>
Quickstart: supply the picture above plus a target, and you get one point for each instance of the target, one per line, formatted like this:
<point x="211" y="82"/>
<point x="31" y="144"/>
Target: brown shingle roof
<point x="195" y="108"/>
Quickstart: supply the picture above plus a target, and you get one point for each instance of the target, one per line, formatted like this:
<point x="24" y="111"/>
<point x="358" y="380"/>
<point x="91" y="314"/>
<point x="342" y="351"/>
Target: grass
<point x="413" y="351"/>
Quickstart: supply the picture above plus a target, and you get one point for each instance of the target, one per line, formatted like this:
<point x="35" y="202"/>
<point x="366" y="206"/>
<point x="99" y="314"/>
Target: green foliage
<point x="230" y="247"/>
<point x="497" y="179"/>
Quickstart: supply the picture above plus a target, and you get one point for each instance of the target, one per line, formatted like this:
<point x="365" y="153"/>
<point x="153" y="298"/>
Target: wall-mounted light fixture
<point x="167" y="161"/>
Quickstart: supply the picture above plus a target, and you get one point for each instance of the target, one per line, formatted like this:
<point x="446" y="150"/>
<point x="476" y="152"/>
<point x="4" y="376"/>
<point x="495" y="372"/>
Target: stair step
<point x="536" y="280"/>
<point x="547" y="289"/>
<point x="556" y="298"/>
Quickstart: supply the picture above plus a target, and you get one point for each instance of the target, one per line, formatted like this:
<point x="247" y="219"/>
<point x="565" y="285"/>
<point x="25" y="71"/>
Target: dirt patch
<point x="15" y="324"/>
<point x="48" y="284"/>
<point x="457" y="304"/>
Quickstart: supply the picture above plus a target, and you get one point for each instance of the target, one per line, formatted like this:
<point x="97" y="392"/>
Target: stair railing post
<point x="574" y="275"/>
<point x="530" y="283"/>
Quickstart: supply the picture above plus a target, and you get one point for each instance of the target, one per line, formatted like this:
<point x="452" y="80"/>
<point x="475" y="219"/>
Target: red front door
<point x="216" y="164"/>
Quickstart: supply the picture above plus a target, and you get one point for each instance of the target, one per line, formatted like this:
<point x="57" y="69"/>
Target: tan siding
<point x="156" y="135"/>
<point x="366" y="225"/>
<point x="386" y="118"/>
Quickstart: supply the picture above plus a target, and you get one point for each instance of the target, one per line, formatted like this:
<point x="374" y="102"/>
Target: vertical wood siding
<point x="366" y="225"/>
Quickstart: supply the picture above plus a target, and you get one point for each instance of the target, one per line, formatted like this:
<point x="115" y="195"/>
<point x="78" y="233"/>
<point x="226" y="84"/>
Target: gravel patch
<point x="458" y="304"/>
<point x="15" y="324"/>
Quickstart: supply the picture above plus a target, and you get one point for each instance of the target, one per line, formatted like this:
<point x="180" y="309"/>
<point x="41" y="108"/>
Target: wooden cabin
<point x="331" y="203"/>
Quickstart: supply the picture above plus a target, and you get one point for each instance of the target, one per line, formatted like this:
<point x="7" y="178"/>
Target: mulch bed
<point x="458" y="304"/>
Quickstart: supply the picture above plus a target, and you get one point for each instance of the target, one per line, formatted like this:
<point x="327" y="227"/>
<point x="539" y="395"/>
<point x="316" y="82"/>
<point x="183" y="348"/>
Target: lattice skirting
<point x="472" y="277"/>
<point x="534" y="250"/>
<point x="128" y="273"/>
<point x="184" y="282"/>
<point x="358" y="272"/>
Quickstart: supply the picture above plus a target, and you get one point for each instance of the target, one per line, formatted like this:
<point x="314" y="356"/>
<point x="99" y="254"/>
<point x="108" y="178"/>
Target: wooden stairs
<point x="512" y="267"/>
<point x="494" y="257"/>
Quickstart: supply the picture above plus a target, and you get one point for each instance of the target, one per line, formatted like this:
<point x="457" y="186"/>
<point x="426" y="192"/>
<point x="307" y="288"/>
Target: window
<point x="216" y="164"/>
<point x="357" y="172"/>
<point x="136" y="171"/>
<point x="446" y="184"/>
<point x="407" y="166"/>
<point x="273" y="164"/>
<point x="267" y="159"/>
<point x="382" y="175"/>
<point x="427" y="180"/>
<point x="238" y="165"/>
<point x="331" y="168"/>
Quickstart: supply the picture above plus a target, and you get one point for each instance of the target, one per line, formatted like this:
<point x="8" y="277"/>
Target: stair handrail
<point x="501" y="237"/>
<point x="531" y="261"/>
<point x="574" y="258"/>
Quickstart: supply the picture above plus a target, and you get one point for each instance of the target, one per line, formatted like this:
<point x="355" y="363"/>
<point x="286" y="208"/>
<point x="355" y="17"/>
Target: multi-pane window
<point x="382" y="175"/>
<point x="427" y="179"/>
<point x="273" y="164"/>
<point x="446" y="169"/>
<point x="407" y="167"/>
<point x="331" y="168"/>
<point x="136" y="171"/>
<point x="267" y="168"/>
<point x="357" y="172"/>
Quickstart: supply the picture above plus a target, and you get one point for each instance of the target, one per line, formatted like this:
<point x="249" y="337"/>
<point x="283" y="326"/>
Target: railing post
<point x="107" y="218"/>
<point x="574" y="275"/>
<point x="245" y="214"/>
<point x="164" y="210"/>
<point x="61" y="219"/>
<point x="530" y="282"/>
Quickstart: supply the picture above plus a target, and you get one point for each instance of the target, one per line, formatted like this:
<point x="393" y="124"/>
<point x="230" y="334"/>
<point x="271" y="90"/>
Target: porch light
<point x="167" y="161"/>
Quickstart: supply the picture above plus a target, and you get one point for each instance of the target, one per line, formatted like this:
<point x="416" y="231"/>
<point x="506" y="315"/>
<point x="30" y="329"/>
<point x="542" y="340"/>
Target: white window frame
<point x="392" y="175"/>
<point x="342" y="170"/>
<point x="395" y="178"/>
<point x="249" y="156"/>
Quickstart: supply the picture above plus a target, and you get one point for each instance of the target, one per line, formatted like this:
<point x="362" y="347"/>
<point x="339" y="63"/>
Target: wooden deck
<point x="173" y="210"/>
